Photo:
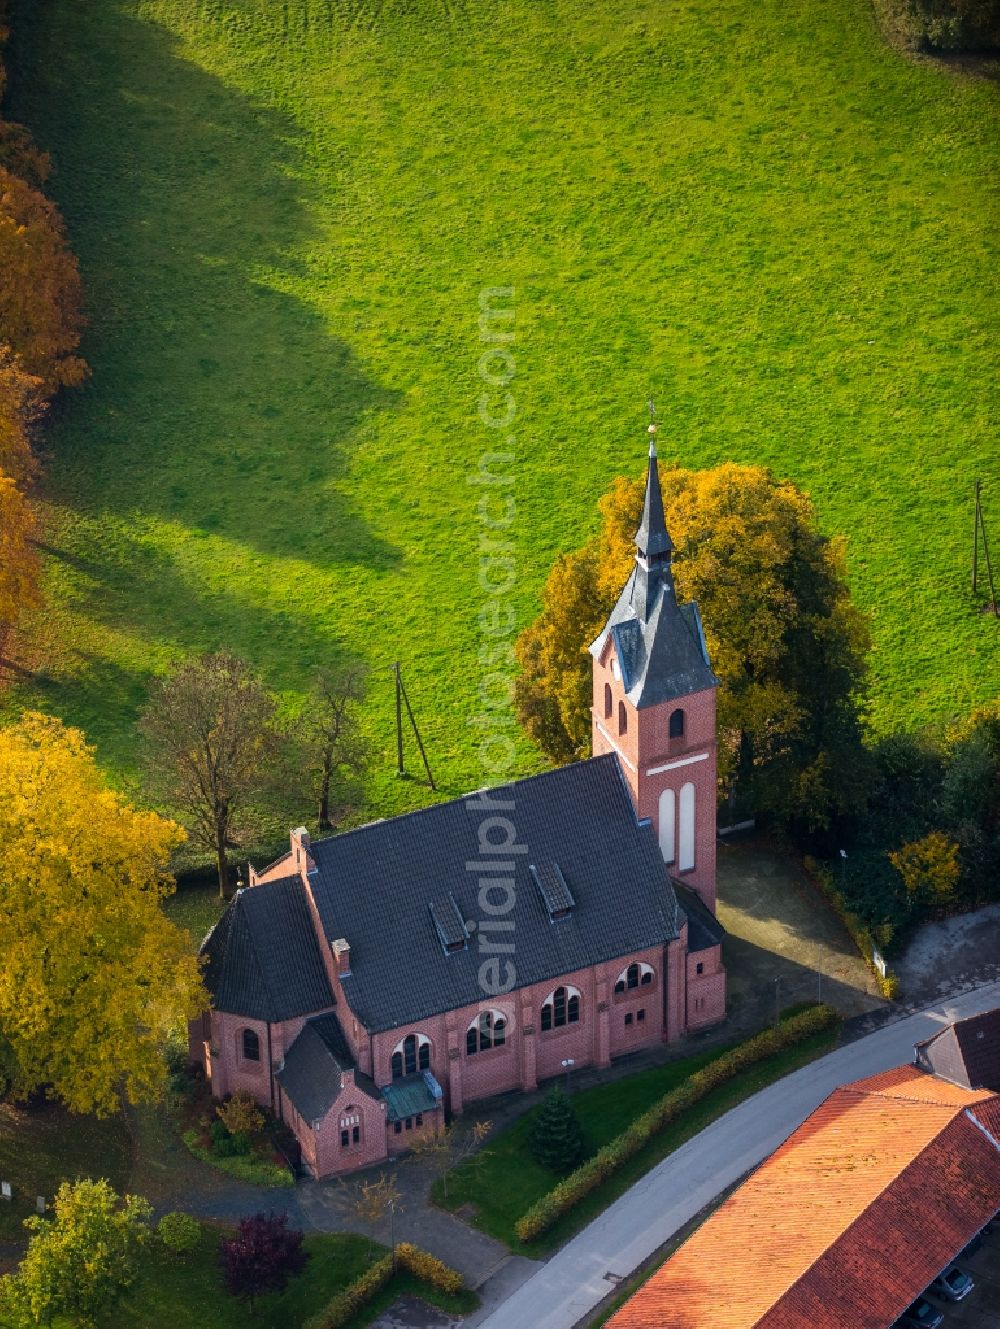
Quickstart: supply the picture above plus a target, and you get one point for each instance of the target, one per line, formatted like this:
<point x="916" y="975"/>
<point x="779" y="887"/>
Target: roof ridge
<point x="534" y="777"/>
<point x="888" y="1184"/>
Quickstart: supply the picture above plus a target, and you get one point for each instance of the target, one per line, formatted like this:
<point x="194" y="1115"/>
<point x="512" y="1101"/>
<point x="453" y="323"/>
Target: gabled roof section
<point x="846" y="1223"/>
<point x="374" y="886"/>
<point x="263" y="958"/>
<point x="966" y="1052"/>
<point x="313" y="1072"/>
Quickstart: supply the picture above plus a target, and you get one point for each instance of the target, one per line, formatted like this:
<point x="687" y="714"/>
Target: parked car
<point x="923" y="1314"/>
<point x="953" y="1284"/>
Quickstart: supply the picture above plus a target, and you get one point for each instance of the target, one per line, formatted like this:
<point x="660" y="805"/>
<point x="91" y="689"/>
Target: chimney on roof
<point x="341" y="956"/>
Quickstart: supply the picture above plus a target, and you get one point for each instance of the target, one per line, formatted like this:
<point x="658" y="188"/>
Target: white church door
<point x="686" y="853"/>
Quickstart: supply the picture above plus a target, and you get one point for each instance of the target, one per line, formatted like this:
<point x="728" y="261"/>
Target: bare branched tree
<point x="211" y="730"/>
<point x="336" y="752"/>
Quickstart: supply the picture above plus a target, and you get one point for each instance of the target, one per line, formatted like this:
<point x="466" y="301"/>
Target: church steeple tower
<point x="654" y="701"/>
<point x="654" y="547"/>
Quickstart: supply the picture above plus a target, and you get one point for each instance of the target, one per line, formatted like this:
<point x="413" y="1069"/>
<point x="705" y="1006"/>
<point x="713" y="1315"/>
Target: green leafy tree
<point x="78" y="1263"/>
<point x="785" y="639"/>
<point x="556" y="1138"/>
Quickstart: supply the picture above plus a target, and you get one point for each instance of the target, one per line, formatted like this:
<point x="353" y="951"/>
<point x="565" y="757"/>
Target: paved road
<point x="576" y="1279"/>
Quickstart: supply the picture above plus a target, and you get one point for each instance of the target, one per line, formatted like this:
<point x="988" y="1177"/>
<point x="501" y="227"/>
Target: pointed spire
<point x="651" y="539"/>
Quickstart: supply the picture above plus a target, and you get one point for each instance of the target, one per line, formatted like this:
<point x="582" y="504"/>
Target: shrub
<point x="562" y="1198"/>
<point x="240" y="1114"/>
<point x="263" y="1255"/>
<point x="179" y="1232"/>
<point x="429" y="1268"/>
<point x="556" y="1138"/>
<point x="342" y="1308"/>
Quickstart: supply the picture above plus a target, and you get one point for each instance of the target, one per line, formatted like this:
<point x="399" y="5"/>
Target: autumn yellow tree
<point x="20" y="406"/>
<point x="94" y="975"/>
<point x="19" y="566"/>
<point x="929" y="868"/>
<point x="40" y="296"/>
<point x="784" y="637"/>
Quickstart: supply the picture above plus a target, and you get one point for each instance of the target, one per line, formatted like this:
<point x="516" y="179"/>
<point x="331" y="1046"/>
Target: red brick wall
<point x="645" y="748"/>
<point x="322" y="1152"/>
<point x="527" y="1057"/>
<point x="706" y="992"/>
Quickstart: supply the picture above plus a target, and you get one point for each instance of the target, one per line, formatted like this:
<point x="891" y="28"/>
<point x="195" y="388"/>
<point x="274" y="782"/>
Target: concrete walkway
<point x="578" y="1277"/>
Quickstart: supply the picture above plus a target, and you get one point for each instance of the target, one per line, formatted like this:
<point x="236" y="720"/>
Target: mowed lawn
<point x="285" y="215"/>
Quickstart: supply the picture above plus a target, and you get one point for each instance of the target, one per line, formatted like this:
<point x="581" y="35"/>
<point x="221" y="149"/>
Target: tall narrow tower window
<point x="686" y="837"/>
<point x="668" y="845"/>
<point x="622" y="718"/>
<point x="608" y="702"/>
<point x="676" y="726"/>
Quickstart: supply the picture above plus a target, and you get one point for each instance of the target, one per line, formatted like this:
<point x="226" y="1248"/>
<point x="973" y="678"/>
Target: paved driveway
<point x="780" y="928"/>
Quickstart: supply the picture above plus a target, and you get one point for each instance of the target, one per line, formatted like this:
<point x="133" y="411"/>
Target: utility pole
<point x="399" y="719"/>
<point x="403" y="700"/>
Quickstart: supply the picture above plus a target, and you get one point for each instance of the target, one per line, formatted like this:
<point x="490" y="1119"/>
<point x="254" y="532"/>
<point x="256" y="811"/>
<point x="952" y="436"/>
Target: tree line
<point x="41" y="319"/>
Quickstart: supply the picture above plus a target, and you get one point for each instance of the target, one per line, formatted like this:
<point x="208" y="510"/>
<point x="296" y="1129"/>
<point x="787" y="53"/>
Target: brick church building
<point x="366" y="984"/>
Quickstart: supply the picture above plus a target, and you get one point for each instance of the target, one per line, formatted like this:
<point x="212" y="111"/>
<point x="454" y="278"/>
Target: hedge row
<point x="860" y="933"/>
<point x="607" y="1161"/>
<point x="346" y="1304"/>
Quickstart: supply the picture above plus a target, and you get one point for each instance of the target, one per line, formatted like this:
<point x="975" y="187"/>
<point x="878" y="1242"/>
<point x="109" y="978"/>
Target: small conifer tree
<point x="557" y="1140"/>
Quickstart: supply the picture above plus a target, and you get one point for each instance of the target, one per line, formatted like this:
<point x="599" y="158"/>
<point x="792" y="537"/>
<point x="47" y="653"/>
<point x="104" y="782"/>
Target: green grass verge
<point x="505" y="1180"/>
<point x="196" y="909"/>
<point x="187" y="1293"/>
<point x="45" y="1146"/>
<point x="258" y="1171"/>
<point x="285" y="215"/>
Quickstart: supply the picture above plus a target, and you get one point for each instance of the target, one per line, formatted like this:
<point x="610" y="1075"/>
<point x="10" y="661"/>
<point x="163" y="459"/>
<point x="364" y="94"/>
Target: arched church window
<point x="676" y="724"/>
<point x="608" y="702"/>
<point x="487" y="1030"/>
<point x="638" y="974"/>
<point x="560" y="1007"/>
<point x="251" y="1045"/>
<point x="685" y="853"/>
<point x="668" y="834"/>
<point x="411" y="1054"/>
<point x="622" y="718"/>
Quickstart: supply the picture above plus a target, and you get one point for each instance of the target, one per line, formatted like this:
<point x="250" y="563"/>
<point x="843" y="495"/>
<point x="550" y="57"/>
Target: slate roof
<point x="659" y="644"/>
<point x="966" y="1052"/>
<point x="847" y="1222"/>
<point x="313" y="1070"/>
<point x="374" y="886"/>
<point x="704" y="929"/>
<point x="662" y="656"/>
<point x="412" y="1094"/>
<point x="263" y="959"/>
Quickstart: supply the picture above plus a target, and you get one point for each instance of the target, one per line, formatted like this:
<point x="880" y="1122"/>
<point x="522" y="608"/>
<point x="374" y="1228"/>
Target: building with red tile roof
<point x="847" y="1223"/>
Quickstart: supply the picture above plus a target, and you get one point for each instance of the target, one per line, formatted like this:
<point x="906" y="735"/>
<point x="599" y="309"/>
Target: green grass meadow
<point x="285" y="215"/>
